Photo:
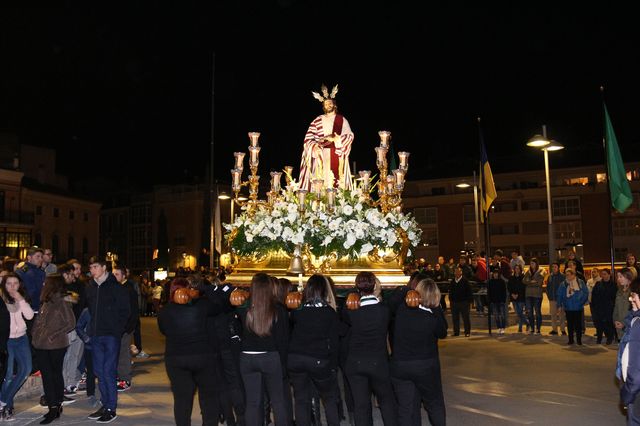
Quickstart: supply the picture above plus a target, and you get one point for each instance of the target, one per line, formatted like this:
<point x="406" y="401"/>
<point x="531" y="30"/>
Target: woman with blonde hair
<point x="415" y="364"/>
<point x="621" y="306"/>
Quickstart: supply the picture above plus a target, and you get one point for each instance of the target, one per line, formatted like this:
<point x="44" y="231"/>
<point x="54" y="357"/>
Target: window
<point x="535" y="228"/>
<point x="55" y="244"/>
<point x="601" y="177"/>
<point x="620" y="254"/>
<point x="426" y="215"/>
<point x="534" y="205"/>
<point x="577" y="181"/>
<point x="56" y="212"/>
<point x="72" y="215"/>
<point x="507" y="206"/>
<point x="567" y="230"/>
<point x="429" y="237"/>
<point x="505" y="229"/>
<point x="85" y="217"/>
<point x="469" y="213"/>
<point x="566" y="206"/>
<point x="70" y="247"/>
<point x="438" y="191"/>
<point x="623" y="227"/>
<point x="536" y="250"/>
<point x="37" y="239"/>
<point x="85" y="246"/>
<point x="39" y="210"/>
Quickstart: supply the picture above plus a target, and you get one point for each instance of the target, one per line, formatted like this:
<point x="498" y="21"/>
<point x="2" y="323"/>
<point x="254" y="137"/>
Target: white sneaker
<point x="142" y="354"/>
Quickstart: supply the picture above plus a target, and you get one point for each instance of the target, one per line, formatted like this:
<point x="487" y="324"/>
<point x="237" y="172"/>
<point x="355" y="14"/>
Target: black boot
<point x="54" y="413"/>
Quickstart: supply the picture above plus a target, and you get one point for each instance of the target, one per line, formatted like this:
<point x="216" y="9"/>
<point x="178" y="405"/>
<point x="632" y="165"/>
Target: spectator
<point x="82" y="328"/>
<point x="47" y="262"/>
<point x="603" y="299"/>
<point x="75" y="293"/>
<point x="632" y="263"/>
<point x="621" y="305"/>
<point x="517" y="293"/>
<point x="17" y="345"/>
<point x="497" y="293"/>
<point x="556" y="278"/>
<point x="516" y="259"/>
<point x="629" y="359"/>
<point x="109" y="308"/>
<point x="572" y="295"/>
<point x="579" y="270"/>
<point x="591" y="282"/>
<point x="33" y="276"/>
<point x="157" y="296"/>
<point x="124" y="358"/>
<point x="460" y="296"/>
<point x="533" y="280"/>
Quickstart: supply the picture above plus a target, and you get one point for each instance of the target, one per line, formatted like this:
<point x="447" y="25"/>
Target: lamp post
<point x="475" y="206"/>
<point x="546" y="145"/>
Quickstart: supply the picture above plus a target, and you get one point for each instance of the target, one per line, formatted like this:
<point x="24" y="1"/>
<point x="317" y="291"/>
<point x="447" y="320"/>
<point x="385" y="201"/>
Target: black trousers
<point x="414" y="381"/>
<point x="188" y="373"/>
<point x="366" y="375"/>
<point x="258" y="370"/>
<point x="604" y="325"/>
<point x="574" y="325"/>
<point x="457" y="309"/>
<point x="50" y="363"/>
<point x="91" y="376"/>
<point x="232" y="401"/>
<point x="306" y="372"/>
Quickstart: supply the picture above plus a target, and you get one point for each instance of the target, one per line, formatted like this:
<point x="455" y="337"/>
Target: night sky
<point x="108" y="87"/>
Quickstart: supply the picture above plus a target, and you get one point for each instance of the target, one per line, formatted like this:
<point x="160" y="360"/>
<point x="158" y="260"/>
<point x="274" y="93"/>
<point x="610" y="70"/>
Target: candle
<point x="236" y="174"/>
<point x="316" y="185"/>
<point x="399" y="176"/>
<point x="391" y="181"/>
<point x="365" y="176"/>
<point x="381" y="156"/>
<point x="302" y="194"/>
<point x="331" y="198"/>
<point x="384" y="138"/>
<point x="253" y="156"/>
<point x="404" y="160"/>
<point x="275" y="181"/>
<point x="239" y="156"/>
<point x="253" y="138"/>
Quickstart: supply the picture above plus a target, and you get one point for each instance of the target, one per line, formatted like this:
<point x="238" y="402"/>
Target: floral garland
<point x="354" y="227"/>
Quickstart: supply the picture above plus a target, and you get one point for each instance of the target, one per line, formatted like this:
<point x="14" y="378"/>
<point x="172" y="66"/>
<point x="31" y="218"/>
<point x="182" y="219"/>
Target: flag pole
<point x="485" y="215"/>
<point x="609" y="203"/>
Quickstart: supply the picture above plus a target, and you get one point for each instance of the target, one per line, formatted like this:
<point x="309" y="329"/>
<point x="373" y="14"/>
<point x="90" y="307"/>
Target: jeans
<point x="498" y="311"/>
<point x="72" y="358"/>
<point x="105" y="350"/>
<point x="19" y="351"/>
<point x="522" y="319"/>
<point x="535" y="303"/>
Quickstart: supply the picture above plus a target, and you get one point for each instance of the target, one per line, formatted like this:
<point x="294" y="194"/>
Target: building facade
<point x="518" y="218"/>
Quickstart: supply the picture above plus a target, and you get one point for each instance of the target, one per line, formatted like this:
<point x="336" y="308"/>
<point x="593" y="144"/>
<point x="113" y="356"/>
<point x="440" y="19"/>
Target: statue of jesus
<point x="327" y="145"/>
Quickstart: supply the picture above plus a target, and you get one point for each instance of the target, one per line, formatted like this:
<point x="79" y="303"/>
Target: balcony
<point x="16" y="217"/>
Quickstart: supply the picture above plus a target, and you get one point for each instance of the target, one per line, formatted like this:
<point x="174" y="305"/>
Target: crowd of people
<point x="271" y="354"/>
<point x="71" y="329"/>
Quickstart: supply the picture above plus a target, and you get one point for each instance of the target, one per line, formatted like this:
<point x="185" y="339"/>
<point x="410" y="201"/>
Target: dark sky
<point x="109" y="88"/>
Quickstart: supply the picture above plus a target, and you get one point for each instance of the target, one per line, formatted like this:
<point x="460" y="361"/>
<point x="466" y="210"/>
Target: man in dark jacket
<point x="109" y="306"/>
<point x="124" y="359"/>
<point x="460" y="296"/>
<point x="33" y="276"/>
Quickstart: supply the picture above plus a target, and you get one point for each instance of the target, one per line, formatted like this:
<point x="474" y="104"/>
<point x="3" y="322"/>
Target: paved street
<point x="515" y="379"/>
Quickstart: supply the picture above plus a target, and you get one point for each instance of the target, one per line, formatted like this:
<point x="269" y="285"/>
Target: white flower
<point x="358" y="207"/>
<point x="287" y="234"/>
<point x="334" y="224"/>
<point x="298" y="238"/>
<point x="292" y="208"/>
<point x="350" y="241"/>
<point x="392" y="238"/>
<point x="366" y="248"/>
<point x="327" y="240"/>
<point x="249" y="237"/>
<point x="347" y="210"/>
<point x="409" y="253"/>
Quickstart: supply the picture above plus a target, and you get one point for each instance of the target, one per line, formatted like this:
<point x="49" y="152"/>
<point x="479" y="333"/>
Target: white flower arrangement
<point x="353" y="227"/>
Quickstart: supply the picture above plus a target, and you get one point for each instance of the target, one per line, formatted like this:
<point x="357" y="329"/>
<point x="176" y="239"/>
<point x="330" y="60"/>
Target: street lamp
<point x="547" y="145"/>
<point x="475" y="204"/>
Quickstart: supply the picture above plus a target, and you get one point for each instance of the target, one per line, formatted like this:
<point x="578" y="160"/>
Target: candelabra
<point x="253" y="180"/>
<point x="390" y="186"/>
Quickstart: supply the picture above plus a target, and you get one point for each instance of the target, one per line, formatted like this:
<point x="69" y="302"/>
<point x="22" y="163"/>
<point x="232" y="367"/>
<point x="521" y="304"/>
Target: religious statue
<point x="327" y="145"/>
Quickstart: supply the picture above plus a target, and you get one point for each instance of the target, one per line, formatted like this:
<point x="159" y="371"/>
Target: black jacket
<point x="416" y="334"/>
<point x="134" y="314"/>
<point x="109" y="307"/>
<point x="461" y="291"/>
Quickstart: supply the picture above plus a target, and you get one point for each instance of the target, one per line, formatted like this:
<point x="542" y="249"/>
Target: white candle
<point x="253" y="138"/>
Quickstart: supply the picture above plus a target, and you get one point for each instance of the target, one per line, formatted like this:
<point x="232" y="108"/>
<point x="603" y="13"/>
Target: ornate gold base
<point x="343" y="271"/>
